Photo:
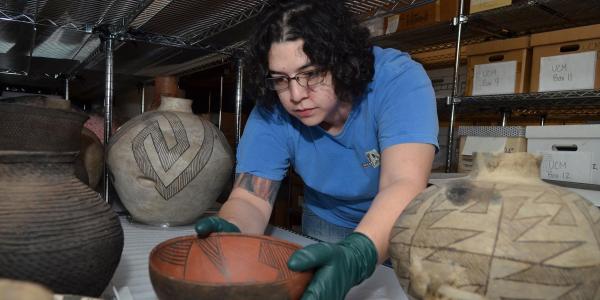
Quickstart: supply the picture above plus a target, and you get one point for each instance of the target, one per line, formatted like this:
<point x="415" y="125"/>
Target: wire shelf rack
<point x="520" y="18"/>
<point x="563" y="103"/>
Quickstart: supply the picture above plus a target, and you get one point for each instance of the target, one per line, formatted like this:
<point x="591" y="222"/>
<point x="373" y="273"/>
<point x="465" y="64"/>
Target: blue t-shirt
<point x="341" y="172"/>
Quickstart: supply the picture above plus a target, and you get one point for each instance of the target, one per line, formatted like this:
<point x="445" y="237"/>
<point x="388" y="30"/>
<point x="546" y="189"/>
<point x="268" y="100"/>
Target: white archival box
<point x="571" y="153"/>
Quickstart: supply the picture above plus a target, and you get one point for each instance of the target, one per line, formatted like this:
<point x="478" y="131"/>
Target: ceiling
<point x="42" y="42"/>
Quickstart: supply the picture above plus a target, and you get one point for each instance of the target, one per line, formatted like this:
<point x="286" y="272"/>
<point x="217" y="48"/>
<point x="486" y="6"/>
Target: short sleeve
<point x="406" y="111"/>
<point x="263" y="149"/>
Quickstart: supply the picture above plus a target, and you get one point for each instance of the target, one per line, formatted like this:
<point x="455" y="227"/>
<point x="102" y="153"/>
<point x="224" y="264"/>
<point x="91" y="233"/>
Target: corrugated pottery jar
<point x="499" y="233"/>
<point x="54" y="229"/>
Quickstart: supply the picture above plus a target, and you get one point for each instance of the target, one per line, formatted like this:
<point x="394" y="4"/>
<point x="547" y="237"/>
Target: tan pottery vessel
<point x="500" y="233"/>
<point x="168" y="166"/>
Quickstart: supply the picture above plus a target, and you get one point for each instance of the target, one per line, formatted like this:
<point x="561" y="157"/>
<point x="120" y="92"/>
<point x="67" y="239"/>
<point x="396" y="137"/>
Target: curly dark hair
<point x="333" y="40"/>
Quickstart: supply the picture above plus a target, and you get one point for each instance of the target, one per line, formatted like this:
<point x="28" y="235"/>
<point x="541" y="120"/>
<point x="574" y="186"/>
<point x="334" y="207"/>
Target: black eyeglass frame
<point x="319" y="74"/>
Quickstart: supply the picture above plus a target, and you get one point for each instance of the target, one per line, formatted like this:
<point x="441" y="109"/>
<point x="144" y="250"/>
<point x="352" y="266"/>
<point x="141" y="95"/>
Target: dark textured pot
<point x="500" y="233"/>
<point x="225" y="266"/>
<point x="54" y="229"/>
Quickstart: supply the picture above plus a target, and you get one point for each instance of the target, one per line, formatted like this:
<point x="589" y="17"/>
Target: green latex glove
<point x="208" y="225"/>
<point x="339" y="266"/>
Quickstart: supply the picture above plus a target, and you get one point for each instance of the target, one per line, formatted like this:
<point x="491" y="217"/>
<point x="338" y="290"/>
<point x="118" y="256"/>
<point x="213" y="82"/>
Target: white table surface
<point x="131" y="280"/>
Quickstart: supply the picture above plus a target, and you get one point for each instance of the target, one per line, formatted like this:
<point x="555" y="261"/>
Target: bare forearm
<point x="250" y="203"/>
<point x="385" y="210"/>
<point x="245" y="215"/>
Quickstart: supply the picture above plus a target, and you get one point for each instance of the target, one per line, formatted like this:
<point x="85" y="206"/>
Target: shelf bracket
<point x="462" y="19"/>
<point x="505" y="115"/>
<point x="452" y="100"/>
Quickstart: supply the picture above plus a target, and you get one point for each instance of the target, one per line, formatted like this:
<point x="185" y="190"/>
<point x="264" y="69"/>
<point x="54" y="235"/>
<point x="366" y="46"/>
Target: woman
<point x="358" y="124"/>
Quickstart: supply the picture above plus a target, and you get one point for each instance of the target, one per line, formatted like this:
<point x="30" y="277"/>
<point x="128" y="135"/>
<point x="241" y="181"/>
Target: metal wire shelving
<point x="209" y="32"/>
<point x="561" y="104"/>
<point x="544" y="101"/>
<point x="521" y="18"/>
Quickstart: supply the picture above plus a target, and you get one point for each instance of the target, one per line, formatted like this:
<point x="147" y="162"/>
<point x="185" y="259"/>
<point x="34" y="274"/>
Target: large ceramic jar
<point x="54" y="229"/>
<point x="168" y="166"/>
<point x="500" y="233"/>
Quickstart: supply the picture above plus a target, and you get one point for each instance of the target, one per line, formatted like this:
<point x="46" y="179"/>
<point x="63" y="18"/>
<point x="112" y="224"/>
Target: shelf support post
<point x="67" y="88"/>
<point x="453" y="101"/>
<point x="239" y="81"/>
<point x="221" y="100"/>
<point x="505" y="116"/>
<point x="542" y="120"/>
<point x="108" y="107"/>
<point x="142" y="88"/>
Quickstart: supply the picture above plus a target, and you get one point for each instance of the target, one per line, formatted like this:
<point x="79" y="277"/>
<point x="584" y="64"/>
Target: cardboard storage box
<point x="493" y="139"/>
<point x="481" y="5"/>
<point x="442" y="81"/>
<point x="498" y="67"/>
<point x="422" y="16"/>
<point x="571" y="153"/>
<point x="566" y="59"/>
<point x="438" y="57"/>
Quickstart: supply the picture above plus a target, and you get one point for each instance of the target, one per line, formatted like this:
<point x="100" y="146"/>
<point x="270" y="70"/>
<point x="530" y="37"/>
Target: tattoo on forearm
<point x="265" y="189"/>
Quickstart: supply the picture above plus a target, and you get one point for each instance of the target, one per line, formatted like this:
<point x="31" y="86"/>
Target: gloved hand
<point x="339" y="266"/>
<point x="208" y="225"/>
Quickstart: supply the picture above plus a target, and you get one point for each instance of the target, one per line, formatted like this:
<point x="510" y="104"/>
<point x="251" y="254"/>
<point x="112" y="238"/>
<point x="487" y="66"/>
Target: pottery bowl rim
<point x="154" y="271"/>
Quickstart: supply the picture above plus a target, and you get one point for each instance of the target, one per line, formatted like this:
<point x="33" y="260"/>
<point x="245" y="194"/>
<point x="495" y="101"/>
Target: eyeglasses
<point x="304" y="79"/>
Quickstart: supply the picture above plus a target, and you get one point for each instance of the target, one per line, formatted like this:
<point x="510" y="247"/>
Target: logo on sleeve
<point x="373" y="159"/>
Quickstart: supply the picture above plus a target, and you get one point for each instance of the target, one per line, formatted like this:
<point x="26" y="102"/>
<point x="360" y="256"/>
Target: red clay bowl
<point x="225" y="266"/>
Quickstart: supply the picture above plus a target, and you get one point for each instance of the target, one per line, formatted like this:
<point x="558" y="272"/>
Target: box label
<point x="567" y="166"/>
<point x="575" y="71"/>
<point x="495" y="78"/>
<point x="484" y="144"/>
<point x="392" y="24"/>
